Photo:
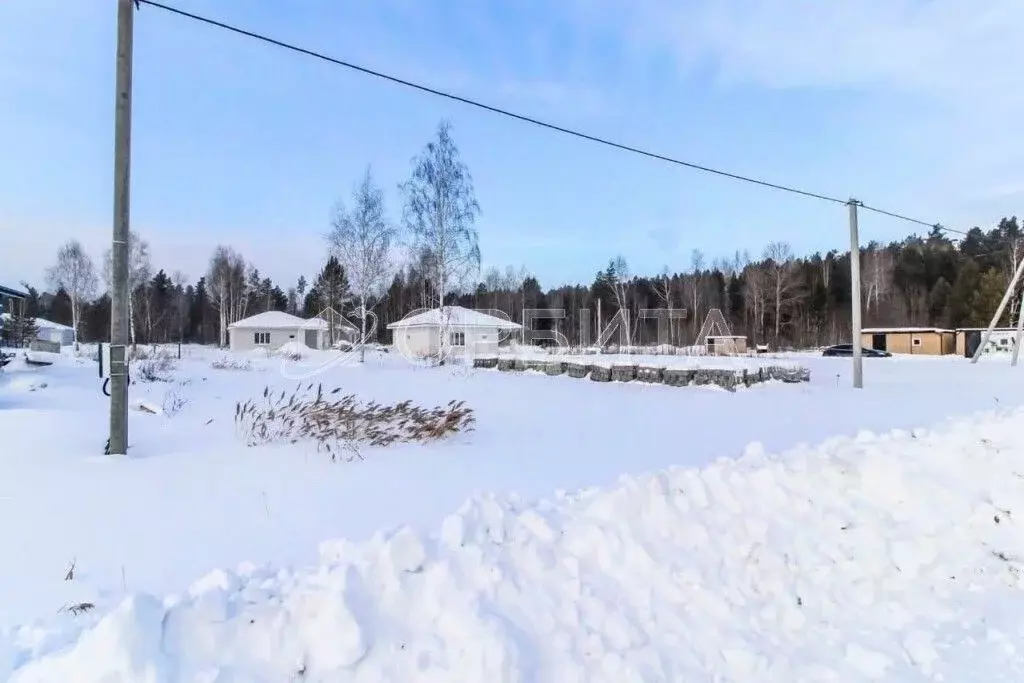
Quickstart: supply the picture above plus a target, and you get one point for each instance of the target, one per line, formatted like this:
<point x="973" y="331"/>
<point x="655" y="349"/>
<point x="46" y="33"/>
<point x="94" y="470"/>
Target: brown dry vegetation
<point x="340" y="423"/>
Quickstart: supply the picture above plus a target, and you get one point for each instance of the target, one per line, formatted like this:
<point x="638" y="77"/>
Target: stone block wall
<point x="673" y="377"/>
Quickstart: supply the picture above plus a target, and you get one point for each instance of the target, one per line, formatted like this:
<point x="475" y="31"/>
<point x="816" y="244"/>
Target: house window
<point x="458" y="338"/>
<point x="917" y="341"/>
<point x="261" y="338"/>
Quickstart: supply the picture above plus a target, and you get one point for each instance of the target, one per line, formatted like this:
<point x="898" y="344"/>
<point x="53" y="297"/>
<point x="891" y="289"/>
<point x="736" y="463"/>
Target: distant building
<point x="10" y="298"/>
<point x="923" y="341"/>
<point x="468" y="332"/>
<point x="969" y="338"/>
<point x="54" y="332"/>
<point x="274" y="329"/>
<point x="725" y="344"/>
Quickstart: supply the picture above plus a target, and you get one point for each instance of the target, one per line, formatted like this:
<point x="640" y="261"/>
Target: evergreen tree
<point x="332" y="293"/>
<point x="96" y="320"/>
<point x="18" y="328"/>
<point x="197" y="313"/>
<point x="960" y="299"/>
<point x="985" y="300"/>
<point x="938" y="300"/>
<point x="60" y="308"/>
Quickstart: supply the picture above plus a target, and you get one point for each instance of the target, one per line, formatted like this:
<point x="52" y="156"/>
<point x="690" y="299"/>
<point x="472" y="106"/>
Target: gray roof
<point x="11" y="291"/>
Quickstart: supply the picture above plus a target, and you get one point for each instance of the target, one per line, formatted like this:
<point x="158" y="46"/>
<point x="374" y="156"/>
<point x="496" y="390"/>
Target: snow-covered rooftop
<point x="456" y="316"/>
<point x="42" y="323"/>
<point x="278" y="320"/>
<point x="12" y="291"/>
<point x="901" y="330"/>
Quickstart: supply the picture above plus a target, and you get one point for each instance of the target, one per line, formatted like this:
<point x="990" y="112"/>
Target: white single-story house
<point x="467" y="332"/>
<point x="50" y="331"/>
<point x="274" y="329"/>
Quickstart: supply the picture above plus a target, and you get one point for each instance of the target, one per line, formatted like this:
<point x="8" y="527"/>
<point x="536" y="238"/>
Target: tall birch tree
<point x="361" y="239"/>
<point x="75" y="273"/>
<point x="440" y="214"/>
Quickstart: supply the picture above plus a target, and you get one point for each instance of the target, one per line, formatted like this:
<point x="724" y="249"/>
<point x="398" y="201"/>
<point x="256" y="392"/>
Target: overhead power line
<point x="893" y="214"/>
<point x="524" y="118"/>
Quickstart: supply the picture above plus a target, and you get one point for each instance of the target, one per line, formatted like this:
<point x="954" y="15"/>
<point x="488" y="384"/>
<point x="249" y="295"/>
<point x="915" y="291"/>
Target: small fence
<point x="728" y="379"/>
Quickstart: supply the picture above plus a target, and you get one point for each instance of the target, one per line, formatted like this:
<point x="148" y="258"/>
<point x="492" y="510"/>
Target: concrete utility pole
<point x="1010" y="289"/>
<point x="119" y="249"/>
<point x="1020" y="333"/>
<point x="858" y="359"/>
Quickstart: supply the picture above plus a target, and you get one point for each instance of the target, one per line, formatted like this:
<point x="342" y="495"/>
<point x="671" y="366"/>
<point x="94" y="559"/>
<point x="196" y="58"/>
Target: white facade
<point x="468" y="332"/>
<point x="274" y="329"/>
<point x="54" y="332"/>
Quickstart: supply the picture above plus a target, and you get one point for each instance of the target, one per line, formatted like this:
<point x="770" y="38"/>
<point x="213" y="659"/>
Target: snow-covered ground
<point x="838" y="560"/>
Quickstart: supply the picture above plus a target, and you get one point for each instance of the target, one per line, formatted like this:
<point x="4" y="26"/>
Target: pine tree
<point x="332" y="293"/>
<point x="986" y="298"/>
<point x="18" y="328"/>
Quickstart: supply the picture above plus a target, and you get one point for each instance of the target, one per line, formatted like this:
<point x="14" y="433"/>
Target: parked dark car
<point x="847" y="350"/>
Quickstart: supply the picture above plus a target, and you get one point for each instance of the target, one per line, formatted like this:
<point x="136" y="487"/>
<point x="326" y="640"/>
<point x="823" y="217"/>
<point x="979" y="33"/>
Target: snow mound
<point x="894" y="557"/>
<point x="293" y="349"/>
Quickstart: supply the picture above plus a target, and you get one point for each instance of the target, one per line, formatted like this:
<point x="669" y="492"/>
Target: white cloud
<point x="958" y="60"/>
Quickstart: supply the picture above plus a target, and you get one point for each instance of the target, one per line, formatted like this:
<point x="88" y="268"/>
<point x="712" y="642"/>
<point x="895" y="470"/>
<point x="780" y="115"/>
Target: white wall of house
<point x="479" y="340"/>
<point x="64" y="336"/>
<point x="417" y="341"/>
<point x="426" y="341"/>
<point x="244" y="339"/>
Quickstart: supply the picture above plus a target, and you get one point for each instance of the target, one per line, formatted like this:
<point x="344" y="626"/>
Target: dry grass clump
<point x="340" y="423"/>
<point x="155" y="369"/>
<point x="227" y="362"/>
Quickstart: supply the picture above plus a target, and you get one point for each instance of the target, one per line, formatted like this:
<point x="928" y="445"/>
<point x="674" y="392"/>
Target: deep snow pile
<point x="888" y="558"/>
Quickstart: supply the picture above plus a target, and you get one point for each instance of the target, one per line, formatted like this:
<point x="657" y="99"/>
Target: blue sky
<point x="911" y="105"/>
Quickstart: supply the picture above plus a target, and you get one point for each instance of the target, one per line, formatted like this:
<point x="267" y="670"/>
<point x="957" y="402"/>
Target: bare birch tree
<point x="494" y="284"/>
<point x="512" y="283"/>
<point x="75" y="273"/>
<point x="226" y="283"/>
<point x="361" y="239"/>
<point x="783" y="282"/>
<point x="755" y="291"/>
<point x="696" y="281"/>
<point x="440" y="213"/>
<point x="877" y="275"/>
<point x="140" y="270"/>
<point x="618" y="280"/>
<point x="180" y="302"/>
<point x="666" y="293"/>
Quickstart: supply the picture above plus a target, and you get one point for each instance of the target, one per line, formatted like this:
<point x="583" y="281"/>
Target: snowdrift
<point x="894" y="557"/>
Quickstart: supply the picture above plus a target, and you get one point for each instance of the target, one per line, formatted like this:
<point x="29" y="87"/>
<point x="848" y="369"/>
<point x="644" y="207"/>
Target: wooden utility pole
<point x="119" y="322"/>
<point x="858" y="359"/>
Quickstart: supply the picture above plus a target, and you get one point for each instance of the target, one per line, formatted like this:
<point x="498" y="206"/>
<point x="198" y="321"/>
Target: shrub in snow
<point x="155" y="369"/>
<point x="139" y="353"/>
<point x="151" y="365"/>
<point x="340" y="423"/>
<point x="292" y="351"/>
<point x="173" y="403"/>
<point x="226" y="362"/>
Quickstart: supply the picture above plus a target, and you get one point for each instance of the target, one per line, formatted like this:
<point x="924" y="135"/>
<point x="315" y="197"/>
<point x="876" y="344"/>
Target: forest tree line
<point x="778" y="298"/>
<point x="775" y="297"/>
